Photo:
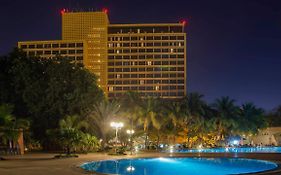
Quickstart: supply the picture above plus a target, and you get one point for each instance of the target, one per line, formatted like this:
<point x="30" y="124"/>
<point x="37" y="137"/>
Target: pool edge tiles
<point x="179" y="166"/>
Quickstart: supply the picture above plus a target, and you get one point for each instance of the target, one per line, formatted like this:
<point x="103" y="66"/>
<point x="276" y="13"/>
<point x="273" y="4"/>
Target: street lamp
<point x="116" y="125"/>
<point x="131" y="132"/>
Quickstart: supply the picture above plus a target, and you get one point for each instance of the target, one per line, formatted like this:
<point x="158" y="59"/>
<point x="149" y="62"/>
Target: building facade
<point x="147" y="58"/>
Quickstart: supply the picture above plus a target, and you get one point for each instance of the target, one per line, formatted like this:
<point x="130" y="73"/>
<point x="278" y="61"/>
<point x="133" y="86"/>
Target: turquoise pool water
<point x="179" y="166"/>
<point x="232" y="150"/>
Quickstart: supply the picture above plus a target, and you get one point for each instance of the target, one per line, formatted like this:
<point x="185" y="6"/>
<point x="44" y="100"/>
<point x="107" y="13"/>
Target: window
<point x="47" y="45"/>
<point x="39" y="53"/>
<point x="79" y="51"/>
<point x="149" y="63"/>
<point x="157" y="88"/>
<point x="79" y="45"/>
<point x="32" y="46"/>
<point x="23" y="46"/>
<point x="55" y="52"/>
<point x="55" y="45"/>
<point x="64" y="45"/>
<point x="39" y="45"/>
<point x="71" y="45"/>
<point x="47" y="52"/>
<point x="79" y="58"/>
<point x="71" y="51"/>
<point x="141" y="81"/>
<point x="63" y="52"/>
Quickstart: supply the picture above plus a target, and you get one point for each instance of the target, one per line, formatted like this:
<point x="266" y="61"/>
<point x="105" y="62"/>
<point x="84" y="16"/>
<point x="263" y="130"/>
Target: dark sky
<point x="234" y="46"/>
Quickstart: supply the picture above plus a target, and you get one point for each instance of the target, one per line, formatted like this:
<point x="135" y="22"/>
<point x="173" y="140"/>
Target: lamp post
<point x="116" y="125"/>
<point x="131" y="132"/>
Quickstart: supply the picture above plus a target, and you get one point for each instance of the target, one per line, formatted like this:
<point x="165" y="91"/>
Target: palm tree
<point x="176" y="116"/>
<point x="251" y="119"/>
<point x="148" y="111"/>
<point x="10" y="127"/>
<point x="70" y="132"/>
<point x="73" y="122"/>
<point x="103" y="113"/>
<point x="226" y="116"/>
<point x="194" y="108"/>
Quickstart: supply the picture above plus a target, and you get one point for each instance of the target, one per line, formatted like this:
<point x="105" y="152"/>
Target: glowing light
<point x="62" y="11"/>
<point x="130" y="131"/>
<point x="130" y="168"/>
<point x="163" y="159"/>
<point x="235" y="142"/>
<point x="183" y="22"/>
<point x="116" y="124"/>
<point x="136" y="149"/>
<point x="105" y="10"/>
<point x="171" y="149"/>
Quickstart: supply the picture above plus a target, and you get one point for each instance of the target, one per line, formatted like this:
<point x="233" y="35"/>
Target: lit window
<point x="118" y="44"/>
<point x="179" y="44"/>
<point x="98" y="79"/>
<point x="157" y="88"/>
<point x="118" y="76"/>
<point x="117" y="51"/>
<point x="141" y="81"/>
<point x="138" y="30"/>
<point x="149" y="63"/>
<point x="142" y="44"/>
<point x="172" y="50"/>
<point x="110" y="89"/>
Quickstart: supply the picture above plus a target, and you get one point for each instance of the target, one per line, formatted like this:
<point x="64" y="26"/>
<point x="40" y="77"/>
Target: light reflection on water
<point x="179" y="166"/>
<point x="233" y="150"/>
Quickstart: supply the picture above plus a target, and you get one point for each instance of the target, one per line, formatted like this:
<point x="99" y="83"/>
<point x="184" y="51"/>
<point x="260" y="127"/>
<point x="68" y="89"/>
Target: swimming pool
<point x="179" y="166"/>
<point x="232" y="150"/>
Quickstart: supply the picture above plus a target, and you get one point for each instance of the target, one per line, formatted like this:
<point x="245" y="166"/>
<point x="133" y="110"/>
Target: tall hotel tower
<point x="147" y="58"/>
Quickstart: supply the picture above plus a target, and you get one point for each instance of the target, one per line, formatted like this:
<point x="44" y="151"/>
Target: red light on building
<point x="62" y="11"/>
<point x="105" y="10"/>
<point x="183" y="22"/>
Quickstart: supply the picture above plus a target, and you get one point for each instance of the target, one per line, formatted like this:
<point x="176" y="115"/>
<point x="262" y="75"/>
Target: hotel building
<point x="147" y="58"/>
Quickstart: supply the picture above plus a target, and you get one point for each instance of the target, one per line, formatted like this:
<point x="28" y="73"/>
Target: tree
<point x="176" y="117"/>
<point x="274" y="117"/>
<point x="103" y="113"/>
<point x="194" y="108"/>
<point x="149" y="109"/>
<point x="46" y="90"/>
<point x="10" y="126"/>
<point x="226" y="116"/>
<point x="69" y="134"/>
<point x="251" y="119"/>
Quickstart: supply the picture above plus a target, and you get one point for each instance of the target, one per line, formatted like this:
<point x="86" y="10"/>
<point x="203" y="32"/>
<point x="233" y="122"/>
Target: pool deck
<point x="45" y="164"/>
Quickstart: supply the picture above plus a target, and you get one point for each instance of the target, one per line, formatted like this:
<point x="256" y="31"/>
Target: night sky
<point x="234" y="46"/>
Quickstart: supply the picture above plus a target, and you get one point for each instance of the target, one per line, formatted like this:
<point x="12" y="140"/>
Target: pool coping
<point x="274" y="171"/>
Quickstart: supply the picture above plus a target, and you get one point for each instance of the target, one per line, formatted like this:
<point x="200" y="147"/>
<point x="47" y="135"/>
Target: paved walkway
<point x="44" y="164"/>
